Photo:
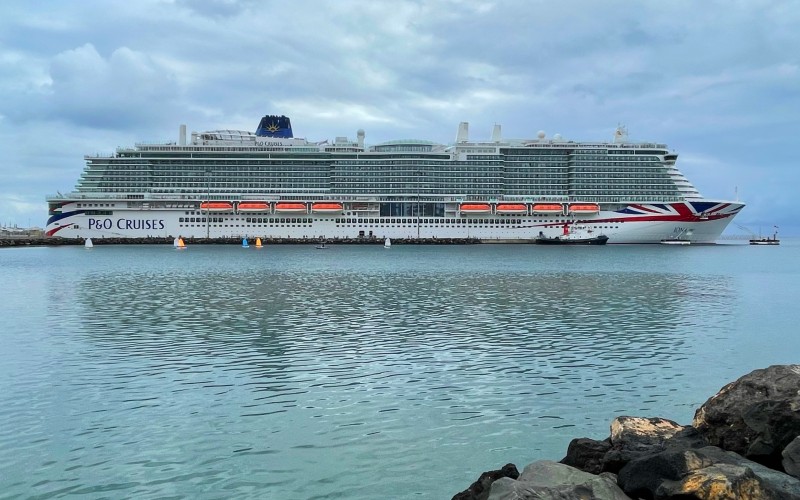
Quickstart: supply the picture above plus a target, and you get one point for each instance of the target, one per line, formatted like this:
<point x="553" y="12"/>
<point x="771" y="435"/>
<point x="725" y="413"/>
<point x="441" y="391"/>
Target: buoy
<point x="88" y="243"/>
<point x="244" y="243"/>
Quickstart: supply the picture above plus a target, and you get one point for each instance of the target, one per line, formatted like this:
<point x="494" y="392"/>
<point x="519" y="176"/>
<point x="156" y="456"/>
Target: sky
<point x="718" y="81"/>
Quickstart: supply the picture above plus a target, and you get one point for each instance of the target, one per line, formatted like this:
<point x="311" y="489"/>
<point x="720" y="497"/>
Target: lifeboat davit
<point x="291" y="207"/>
<point x="326" y="207"/>
<point x="216" y="206"/>
<point x="253" y="206"/>
<point x="584" y="208"/>
<point x="548" y="208"/>
<point x="511" y="208"/>
<point x="476" y="208"/>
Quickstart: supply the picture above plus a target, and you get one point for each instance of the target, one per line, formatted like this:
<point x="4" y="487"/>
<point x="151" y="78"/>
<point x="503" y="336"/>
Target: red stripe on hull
<point x="645" y="209"/>
<point x="661" y="218"/>
<point x="55" y="230"/>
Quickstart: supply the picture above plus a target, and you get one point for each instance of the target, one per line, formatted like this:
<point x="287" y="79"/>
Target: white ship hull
<point x="635" y="224"/>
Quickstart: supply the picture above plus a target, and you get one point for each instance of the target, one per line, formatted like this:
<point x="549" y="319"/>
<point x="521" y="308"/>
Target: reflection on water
<point x="356" y="377"/>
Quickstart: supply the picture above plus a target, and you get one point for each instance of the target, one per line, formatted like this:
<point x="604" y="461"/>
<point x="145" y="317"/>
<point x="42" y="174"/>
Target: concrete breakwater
<point x="57" y="241"/>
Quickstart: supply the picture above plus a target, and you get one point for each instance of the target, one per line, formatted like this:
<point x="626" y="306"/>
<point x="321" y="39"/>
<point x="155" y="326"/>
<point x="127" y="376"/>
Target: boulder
<point x="791" y="458"/>
<point x="741" y="442"/>
<point x="587" y="454"/>
<point x="479" y="490"/>
<point x="546" y="480"/>
<point x="708" y="473"/>
<point x="641" y="432"/>
<point x="631" y="437"/>
<point x="756" y="416"/>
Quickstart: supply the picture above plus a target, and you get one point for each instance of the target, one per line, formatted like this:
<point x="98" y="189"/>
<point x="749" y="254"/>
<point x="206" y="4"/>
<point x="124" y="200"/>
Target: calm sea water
<point x="359" y="372"/>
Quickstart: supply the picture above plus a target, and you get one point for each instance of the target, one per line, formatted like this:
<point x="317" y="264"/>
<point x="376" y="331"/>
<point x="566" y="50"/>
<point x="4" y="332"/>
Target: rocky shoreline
<point x="743" y="443"/>
<point x="58" y="241"/>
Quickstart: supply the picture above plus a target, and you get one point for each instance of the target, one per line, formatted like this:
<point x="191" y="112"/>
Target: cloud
<point x="217" y="8"/>
<point x="720" y="80"/>
<point x="127" y="88"/>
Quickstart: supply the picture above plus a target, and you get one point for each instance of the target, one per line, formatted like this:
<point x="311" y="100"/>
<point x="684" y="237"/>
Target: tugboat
<point x="767" y="240"/>
<point x="574" y="234"/>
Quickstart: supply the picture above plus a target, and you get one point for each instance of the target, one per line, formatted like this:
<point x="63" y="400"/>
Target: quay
<point x="23" y="241"/>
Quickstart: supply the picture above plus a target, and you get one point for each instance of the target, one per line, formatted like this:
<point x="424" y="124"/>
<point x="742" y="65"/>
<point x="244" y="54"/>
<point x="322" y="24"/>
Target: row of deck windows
<point x="359" y="221"/>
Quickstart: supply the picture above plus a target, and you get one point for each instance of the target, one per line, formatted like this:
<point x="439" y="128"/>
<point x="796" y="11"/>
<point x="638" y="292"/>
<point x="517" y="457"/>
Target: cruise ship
<point x="271" y="184"/>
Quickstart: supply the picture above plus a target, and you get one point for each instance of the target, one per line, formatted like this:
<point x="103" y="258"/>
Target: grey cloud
<point x="703" y="77"/>
<point x="123" y="90"/>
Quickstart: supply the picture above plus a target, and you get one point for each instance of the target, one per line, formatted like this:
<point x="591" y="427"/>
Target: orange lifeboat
<point x="291" y="207"/>
<point x="476" y="208"/>
<point x="216" y="206"/>
<point x="511" y="208"/>
<point x="326" y="207"/>
<point x="253" y="206"/>
<point x="584" y="208"/>
<point x="548" y="208"/>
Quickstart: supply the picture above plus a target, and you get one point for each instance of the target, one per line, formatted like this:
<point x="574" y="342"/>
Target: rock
<point x="756" y="416"/>
<point x="716" y="482"/>
<point x="752" y="423"/>
<point x="633" y="436"/>
<point x="642" y="433"/>
<point x="791" y="458"/>
<point x="704" y="473"/>
<point x="587" y="454"/>
<point x="546" y="480"/>
<point x="479" y="490"/>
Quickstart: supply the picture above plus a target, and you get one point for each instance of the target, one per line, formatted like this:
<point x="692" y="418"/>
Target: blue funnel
<point x="275" y="126"/>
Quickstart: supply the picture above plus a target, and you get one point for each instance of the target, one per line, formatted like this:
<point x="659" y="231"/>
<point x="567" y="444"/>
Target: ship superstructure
<point x="270" y="184"/>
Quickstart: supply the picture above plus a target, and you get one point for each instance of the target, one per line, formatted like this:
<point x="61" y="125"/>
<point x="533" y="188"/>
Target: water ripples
<point x="282" y="381"/>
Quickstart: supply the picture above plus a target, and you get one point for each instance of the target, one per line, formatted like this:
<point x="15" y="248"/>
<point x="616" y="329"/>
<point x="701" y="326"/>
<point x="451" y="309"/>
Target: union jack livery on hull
<point x="270" y="184"/>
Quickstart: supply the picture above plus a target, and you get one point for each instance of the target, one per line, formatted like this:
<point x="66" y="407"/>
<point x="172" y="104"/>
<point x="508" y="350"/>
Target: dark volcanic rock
<point x="791" y="458"/>
<point x="631" y="437"/>
<point x="742" y="441"/>
<point x="547" y="480"/>
<point x="587" y="454"/>
<point x="479" y="490"/>
<point x="756" y="416"/>
<point x="704" y="473"/>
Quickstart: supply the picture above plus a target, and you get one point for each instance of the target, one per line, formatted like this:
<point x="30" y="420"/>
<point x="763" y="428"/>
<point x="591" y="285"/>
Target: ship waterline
<point x="270" y="184"/>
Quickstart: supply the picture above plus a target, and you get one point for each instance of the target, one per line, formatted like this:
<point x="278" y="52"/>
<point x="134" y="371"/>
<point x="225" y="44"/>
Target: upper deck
<point x="235" y="164"/>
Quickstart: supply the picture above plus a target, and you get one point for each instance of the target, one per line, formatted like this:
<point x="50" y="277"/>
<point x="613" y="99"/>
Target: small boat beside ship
<point x="573" y="234"/>
<point x="675" y="241"/>
<point x="679" y="237"/>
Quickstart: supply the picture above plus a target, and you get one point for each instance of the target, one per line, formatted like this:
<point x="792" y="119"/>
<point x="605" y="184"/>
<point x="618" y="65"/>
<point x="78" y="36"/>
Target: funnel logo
<point x="275" y="126"/>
